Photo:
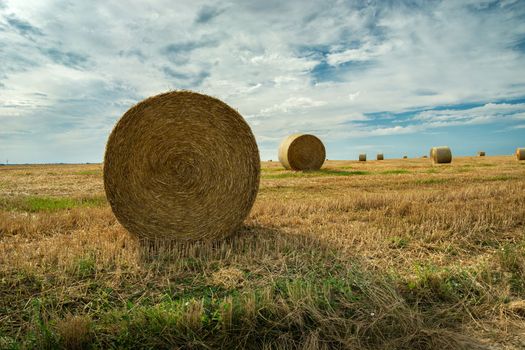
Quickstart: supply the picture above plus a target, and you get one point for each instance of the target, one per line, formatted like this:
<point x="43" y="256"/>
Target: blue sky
<point x="365" y="76"/>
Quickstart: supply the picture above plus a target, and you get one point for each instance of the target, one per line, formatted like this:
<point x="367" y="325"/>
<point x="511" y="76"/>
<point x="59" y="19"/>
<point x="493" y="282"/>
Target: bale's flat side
<point x="442" y="155"/>
<point x="520" y="154"/>
<point x="302" y="152"/>
<point x="283" y="150"/>
<point x="432" y="152"/>
<point x="181" y="166"/>
<point x="481" y="154"/>
<point x="362" y="157"/>
<point x="380" y="156"/>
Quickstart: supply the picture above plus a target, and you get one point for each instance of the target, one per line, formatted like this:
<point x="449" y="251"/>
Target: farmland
<point x="381" y="254"/>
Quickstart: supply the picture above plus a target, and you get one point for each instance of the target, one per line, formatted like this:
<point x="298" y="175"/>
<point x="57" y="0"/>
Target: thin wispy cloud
<point x="397" y="75"/>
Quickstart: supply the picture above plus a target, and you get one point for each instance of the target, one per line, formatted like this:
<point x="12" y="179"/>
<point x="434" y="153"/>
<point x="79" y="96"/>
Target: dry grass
<point x="395" y="254"/>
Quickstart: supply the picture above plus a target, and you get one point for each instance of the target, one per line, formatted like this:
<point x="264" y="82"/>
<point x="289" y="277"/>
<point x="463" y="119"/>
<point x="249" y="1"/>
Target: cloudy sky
<point x="365" y="76"/>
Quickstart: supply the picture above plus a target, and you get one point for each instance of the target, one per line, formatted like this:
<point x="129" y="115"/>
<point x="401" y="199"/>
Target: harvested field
<point x="394" y="254"/>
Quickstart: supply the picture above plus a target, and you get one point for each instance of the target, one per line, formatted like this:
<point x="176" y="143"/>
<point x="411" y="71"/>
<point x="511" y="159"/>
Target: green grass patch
<point x="316" y="173"/>
<point x="85" y="267"/>
<point x="394" y="171"/>
<point x="37" y="204"/>
<point x="501" y="178"/>
<point x="217" y="319"/>
<point x="287" y="313"/>
<point x="397" y="242"/>
<point x="512" y="260"/>
<point x="432" y="181"/>
<point x="434" y="284"/>
<point x="463" y="169"/>
<point x="431" y="171"/>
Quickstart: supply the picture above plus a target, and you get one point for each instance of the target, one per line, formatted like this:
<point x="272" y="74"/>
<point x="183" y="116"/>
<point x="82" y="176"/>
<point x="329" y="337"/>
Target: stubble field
<point x="394" y="254"/>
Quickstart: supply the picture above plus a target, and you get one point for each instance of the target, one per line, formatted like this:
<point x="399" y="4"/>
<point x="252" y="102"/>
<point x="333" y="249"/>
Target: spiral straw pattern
<point x="302" y="152"/>
<point x="181" y="166"/>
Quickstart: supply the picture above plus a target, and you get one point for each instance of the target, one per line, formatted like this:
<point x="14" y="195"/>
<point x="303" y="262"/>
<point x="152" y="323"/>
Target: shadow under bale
<point x="280" y="289"/>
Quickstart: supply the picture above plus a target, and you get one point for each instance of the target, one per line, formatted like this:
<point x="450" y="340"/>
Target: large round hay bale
<point x="302" y="152"/>
<point x="481" y="154"/>
<point x="432" y="153"/>
<point x="380" y="156"/>
<point x="441" y="155"/>
<point x="362" y="157"/>
<point x="181" y="166"/>
<point x="520" y="153"/>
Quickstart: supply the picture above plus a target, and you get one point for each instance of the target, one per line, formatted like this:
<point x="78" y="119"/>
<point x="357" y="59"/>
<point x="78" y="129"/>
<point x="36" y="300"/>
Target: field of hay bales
<point x="392" y="254"/>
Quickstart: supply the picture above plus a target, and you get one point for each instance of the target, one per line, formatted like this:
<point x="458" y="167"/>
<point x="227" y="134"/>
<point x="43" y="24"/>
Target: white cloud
<point x="292" y="104"/>
<point x="365" y="53"/>
<point x="490" y="112"/>
<point x="354" y="95"/>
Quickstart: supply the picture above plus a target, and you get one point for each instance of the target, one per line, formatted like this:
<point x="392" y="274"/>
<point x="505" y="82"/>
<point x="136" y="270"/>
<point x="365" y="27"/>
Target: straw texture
<point x="441" y="155"/>
<point x="181" y="166"/>
<point x="302" y="152"/>
<point x="362" y="157"/>
<point x="380" y="156"/>
<point x="520" y="153"/>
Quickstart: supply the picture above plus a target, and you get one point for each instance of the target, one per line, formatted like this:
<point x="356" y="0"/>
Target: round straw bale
<point x="481" y="154"/>
<point x="520" y="153"/>
<point x="405" y="157"/>
<point x="432" y="153"/>
<point x="425" y="156"/>
<point x="441" y="154"/>
<point x="380" y="156"/>
<point x="181" y="166"/>
<point x="302" y="152"/>
<point x="362" y="157"/>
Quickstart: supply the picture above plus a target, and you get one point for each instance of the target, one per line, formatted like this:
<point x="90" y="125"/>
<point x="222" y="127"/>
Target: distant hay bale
<point x="441" y="155"/>
<point x="405" y="157"/>
<point x="380" y="156"/>
<point x="302" y="152"/>
<point x="481" y="154"/>
<point x="520" y="153"/>
<point x="181" y="166"/>
<point x="362" y="157"/>
<point x="425" y="157"/>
